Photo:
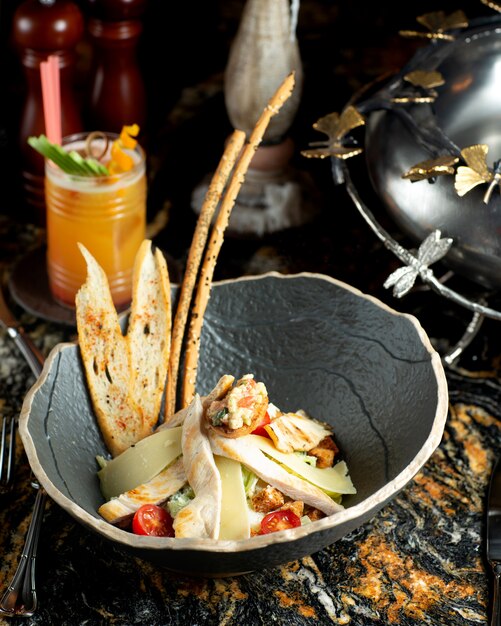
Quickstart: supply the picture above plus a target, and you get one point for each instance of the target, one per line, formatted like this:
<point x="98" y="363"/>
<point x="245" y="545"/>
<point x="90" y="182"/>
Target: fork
<point x="7" y="452"/>
<point x="20" y="598"/>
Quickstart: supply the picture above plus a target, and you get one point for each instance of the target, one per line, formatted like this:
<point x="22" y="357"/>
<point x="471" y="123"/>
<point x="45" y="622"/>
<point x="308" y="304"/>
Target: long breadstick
<point x="217" y="235"/>
<point x="211" y="200"/>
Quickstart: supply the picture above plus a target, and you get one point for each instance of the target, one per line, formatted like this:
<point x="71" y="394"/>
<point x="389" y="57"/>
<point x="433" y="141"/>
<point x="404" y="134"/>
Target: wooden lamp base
<point x="274" y="196"/>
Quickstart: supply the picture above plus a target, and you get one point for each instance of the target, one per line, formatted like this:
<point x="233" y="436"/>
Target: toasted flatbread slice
<point x="106" y="358"/>
<point x="148" y="333"/>
<point x="222" y="387"/>
<point x="126" y="375"/>
<point x="238" y="410"/>
<point x="202" y="516"/>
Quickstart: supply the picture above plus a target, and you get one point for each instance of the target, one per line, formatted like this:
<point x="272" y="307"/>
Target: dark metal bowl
<point x="318" y="344"/>
<point x="468" y="111"/>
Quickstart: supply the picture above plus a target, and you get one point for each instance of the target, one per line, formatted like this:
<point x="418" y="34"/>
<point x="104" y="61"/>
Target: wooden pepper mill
<point x="42" y="28"/>
<point x="117" y="92"/>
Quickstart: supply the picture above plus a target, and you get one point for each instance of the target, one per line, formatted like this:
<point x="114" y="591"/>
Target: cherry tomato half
<point x="152" y="520"/>
<point x="279" y="520"/>
<point x="246" y="402"/>
<point x="260" y="428"/>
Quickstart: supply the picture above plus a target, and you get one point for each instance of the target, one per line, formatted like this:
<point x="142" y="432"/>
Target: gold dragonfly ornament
<point x="336" y="127"/>
<point x="477" y="172"/>
<point x="424" y="83"/>
<point x="437" y="24"/>
<point x="431" y="168"/>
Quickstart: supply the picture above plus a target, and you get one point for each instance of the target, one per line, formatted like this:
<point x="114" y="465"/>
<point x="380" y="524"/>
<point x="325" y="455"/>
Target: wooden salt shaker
<point x="42" y="28"/>
<point x="117" y="92"/>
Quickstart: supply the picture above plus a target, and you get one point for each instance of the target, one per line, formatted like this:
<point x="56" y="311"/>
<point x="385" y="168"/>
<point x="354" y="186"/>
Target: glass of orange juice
<point x="107" y="214"/>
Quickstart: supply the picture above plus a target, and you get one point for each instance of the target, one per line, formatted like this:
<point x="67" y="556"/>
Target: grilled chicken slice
<point x="156" y="491"/>
<point x="221" y="389"/>
<point x="175" y="420"/>
<point x="291" y="432"/>
<point x="202" y="516"/>
<point x="272" y="473"/>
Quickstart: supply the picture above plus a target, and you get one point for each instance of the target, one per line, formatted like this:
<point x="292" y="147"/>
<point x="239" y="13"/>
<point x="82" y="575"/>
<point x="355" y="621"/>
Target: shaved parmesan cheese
<point x="155" y="491"/>
<point x="140" y="463"/>
<point x="332" y="480"/>
<point x="293" y="432"/>
<point x="273" y="473"/>
<point x="234" y="522"/>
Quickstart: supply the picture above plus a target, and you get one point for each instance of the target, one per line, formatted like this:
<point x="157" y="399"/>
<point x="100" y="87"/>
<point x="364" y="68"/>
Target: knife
<point x="494" y="539"/>
<point x="30" y="352"/>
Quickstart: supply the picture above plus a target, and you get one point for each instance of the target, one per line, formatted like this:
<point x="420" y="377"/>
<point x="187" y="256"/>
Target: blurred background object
<point x="264" y="51"/>
<point x="265" y="48"/>
<point x="116" y="92"/>
<point x="41" y="28"/>
<point x="180" y="57"/>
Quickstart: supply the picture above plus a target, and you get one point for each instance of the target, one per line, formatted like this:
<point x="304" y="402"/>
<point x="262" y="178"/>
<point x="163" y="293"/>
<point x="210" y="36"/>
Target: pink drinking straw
<point x="51" y="95"/>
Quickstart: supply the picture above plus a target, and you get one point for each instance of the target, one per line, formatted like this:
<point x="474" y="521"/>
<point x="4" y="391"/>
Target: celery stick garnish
<point x="69" y="162"/>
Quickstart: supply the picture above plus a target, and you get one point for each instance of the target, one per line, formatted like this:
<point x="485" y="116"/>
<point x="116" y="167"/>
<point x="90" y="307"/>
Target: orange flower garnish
<point x="120" y="160"/>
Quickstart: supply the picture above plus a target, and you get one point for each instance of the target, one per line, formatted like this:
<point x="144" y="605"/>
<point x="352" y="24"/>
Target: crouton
<point x="268" y="499"/>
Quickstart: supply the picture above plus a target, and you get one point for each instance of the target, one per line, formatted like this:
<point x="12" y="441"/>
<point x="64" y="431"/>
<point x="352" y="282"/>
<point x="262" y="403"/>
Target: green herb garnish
<point x="180" y="499"/>
<point x="250" y="480"/>
<point x="69" y="162"/>
<point x="217" y="419"/>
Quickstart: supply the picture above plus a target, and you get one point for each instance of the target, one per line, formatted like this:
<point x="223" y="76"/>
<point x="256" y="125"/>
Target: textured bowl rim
<point x="378" y="498"/>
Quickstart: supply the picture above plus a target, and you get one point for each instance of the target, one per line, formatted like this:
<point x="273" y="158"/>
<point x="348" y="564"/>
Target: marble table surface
<point x="421" y="559"/>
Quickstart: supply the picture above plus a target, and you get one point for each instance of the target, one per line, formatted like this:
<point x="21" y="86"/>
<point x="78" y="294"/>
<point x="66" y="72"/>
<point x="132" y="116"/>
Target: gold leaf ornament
<point x="422" y="80"/>
<point x="439" y="166"/>
<point x="437" y="24"/>
<point x="425" y="79"/>
<point x="336" y="127"/>
<point x="477" y="172"/>
<point x="492" y="5"/>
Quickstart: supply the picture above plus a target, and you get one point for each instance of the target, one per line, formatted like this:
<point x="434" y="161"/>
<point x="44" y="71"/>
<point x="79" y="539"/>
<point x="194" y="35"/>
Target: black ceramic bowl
<point x="318" y="344"/>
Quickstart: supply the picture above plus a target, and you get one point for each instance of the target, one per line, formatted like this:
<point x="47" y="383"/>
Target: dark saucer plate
<point x="29" y="287"/>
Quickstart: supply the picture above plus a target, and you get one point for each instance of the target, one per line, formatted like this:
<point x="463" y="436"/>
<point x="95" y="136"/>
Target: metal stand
<point x="415" y="265"/>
